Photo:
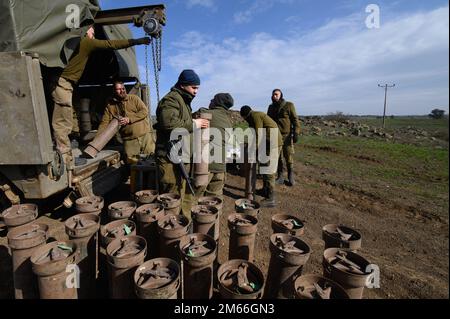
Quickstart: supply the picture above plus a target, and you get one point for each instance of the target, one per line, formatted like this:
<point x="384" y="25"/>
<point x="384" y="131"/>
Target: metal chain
<point x="157" y="53"/>
<point x="146" y="78"/>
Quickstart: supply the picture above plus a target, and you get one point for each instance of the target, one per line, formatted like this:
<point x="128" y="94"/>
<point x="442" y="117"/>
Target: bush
<point x="437" y="114"/>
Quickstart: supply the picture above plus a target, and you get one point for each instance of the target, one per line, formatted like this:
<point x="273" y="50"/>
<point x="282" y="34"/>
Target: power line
<point x="385" y="99"/>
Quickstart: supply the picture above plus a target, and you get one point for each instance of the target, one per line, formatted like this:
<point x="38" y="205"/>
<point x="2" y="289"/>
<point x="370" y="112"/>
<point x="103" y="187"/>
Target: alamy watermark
<point x="373" y="19"/>
<point x="261" y="145"/>
<point x="373" y="280"/>
<point x="73" y="278"/>
<point x="73" y="17"/>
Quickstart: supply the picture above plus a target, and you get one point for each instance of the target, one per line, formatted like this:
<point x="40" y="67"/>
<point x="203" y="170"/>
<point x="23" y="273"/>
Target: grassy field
<point x="416" y="175"/>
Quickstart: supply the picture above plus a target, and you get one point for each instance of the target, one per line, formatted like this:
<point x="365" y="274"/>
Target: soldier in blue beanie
<point x="174" y="111"/>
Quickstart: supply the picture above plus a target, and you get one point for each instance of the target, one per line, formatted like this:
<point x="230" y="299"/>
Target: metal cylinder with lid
<point x="171" y="229"/>
<point x="18" y="215"/>
<point x="157" y="278"/>
<point x="124" y="256"/>
<point x="83" y="230"/>
<point x="90" y="205"/>
<point x="198" y="252"/>
<point x="147" y="217"/>
<point x="288" y="256"/>
<point x="55" y="265"/>
<point x="23" y="241"/>
<point x="242" y="236"/>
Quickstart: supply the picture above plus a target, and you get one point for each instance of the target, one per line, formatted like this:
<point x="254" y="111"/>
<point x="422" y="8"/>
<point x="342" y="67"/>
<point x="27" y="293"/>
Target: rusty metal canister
<point x="287" y="224"/>
<point x="121" y="210"/>
<point x="198" y="252"/>
<point x="23" y="241"/>
<point x="339" y="236"/>
<point x="248" y="171"/>
<point x="124" y="256"/>
<point x="102" y="139"/>
<point x="240" y="279"/>
<point x="144" y="197"/>
<point x="171" y="203"/>
<point x="217" y="202"/>
<point x="348" y="269"/>
<point x="171" y="229"/>
<point x="85" y="116"/>
<point x="288" y="256"/>
<point x="318" y="287"/>
<point x="83" y="230"/>
<point x="247" y="207"/>
<point x="147" y="217"/>
<point x="242" y="236"/>
<point x="204" y="220"/>
<point x="201" y="155"/>
<point x="117" y="229"/>
<point x="18" y="215"/>
<point x="55" y="266"/>
<point x="157" y="278"/>
<point x="89" y="205"/>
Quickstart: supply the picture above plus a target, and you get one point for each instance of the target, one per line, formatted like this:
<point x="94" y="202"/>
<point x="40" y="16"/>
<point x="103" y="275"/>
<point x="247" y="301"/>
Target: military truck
<point x="37" y="38"/>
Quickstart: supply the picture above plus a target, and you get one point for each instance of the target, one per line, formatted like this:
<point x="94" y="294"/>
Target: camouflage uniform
<point x="138" y="134"/>
<point x="63" y="113"/>
<point x="174" y="111"/>
<point x="217" y="171"/>
<point x="259" y="120"/>
<point x="285" y="115"/>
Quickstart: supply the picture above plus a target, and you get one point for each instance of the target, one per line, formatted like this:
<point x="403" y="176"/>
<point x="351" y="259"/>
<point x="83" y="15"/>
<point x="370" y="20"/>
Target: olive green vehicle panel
<point x="35" y="44"/>
<point x="24" y="125"/>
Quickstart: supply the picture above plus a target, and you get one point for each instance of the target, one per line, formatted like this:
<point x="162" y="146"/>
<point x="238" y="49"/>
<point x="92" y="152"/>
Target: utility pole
<point x="385" y="99"/>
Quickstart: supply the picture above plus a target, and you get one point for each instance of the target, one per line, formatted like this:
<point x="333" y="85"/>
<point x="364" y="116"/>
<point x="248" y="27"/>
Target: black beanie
<point x="223" y="99"/>
<point x="188" y="77"/>
<point x="245" y="111"/>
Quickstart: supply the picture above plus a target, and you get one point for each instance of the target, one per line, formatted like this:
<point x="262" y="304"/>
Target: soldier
<point x="174" y="111"/>
<point x="284" y="114"/>
<point x="62" y="121"/>
<point x="259" y="120"/>
<point x="135" y="129"/>
<point x="221" y="120"/>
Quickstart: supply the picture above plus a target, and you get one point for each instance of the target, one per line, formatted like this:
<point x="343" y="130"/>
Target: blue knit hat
<point x="188" y="77"/>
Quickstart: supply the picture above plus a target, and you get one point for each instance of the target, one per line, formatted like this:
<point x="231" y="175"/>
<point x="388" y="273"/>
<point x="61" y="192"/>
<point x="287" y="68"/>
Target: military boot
<point x="261" y="192"/>
<point x="291" y="180"/>
<point x="269" y="201"/>
<point x="280" y="179"/>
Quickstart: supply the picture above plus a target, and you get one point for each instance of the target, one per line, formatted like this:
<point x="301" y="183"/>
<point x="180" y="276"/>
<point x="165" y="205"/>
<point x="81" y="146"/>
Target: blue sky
<point x="320" y="53"/>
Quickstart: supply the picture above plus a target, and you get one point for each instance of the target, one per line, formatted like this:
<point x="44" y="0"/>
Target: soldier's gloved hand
<point x="295" y="138"/>
<point x="145" y="40"/>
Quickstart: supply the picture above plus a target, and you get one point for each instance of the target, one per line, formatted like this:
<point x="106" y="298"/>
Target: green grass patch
<point x="385" y="169"/>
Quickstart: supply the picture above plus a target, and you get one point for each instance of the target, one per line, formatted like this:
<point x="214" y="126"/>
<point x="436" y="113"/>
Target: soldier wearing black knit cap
<point x="221" y="120"/>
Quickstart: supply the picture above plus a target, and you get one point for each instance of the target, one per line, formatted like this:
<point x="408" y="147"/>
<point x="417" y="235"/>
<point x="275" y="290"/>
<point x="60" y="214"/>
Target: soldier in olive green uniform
<point x="135" y="129"/>
<point x="62" y="121"/>
<point x="221" y="120"/>
<point x="260" y="120"/>
<point x="174" y="111"/>
<point x="284" y="114"/>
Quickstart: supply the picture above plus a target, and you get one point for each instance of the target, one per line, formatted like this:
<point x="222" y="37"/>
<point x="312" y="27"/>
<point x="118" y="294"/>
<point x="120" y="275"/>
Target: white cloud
<point x="202" y="3"/>
<point x="336" y="67"/>
<point x="257" y="7"/>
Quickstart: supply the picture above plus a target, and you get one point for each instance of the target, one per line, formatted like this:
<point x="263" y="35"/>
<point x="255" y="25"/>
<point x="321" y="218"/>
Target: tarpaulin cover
<point x="40" y="26"/>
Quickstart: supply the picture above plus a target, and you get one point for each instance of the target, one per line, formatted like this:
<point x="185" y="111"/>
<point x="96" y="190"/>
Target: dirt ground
<point x="410" y="247"/>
